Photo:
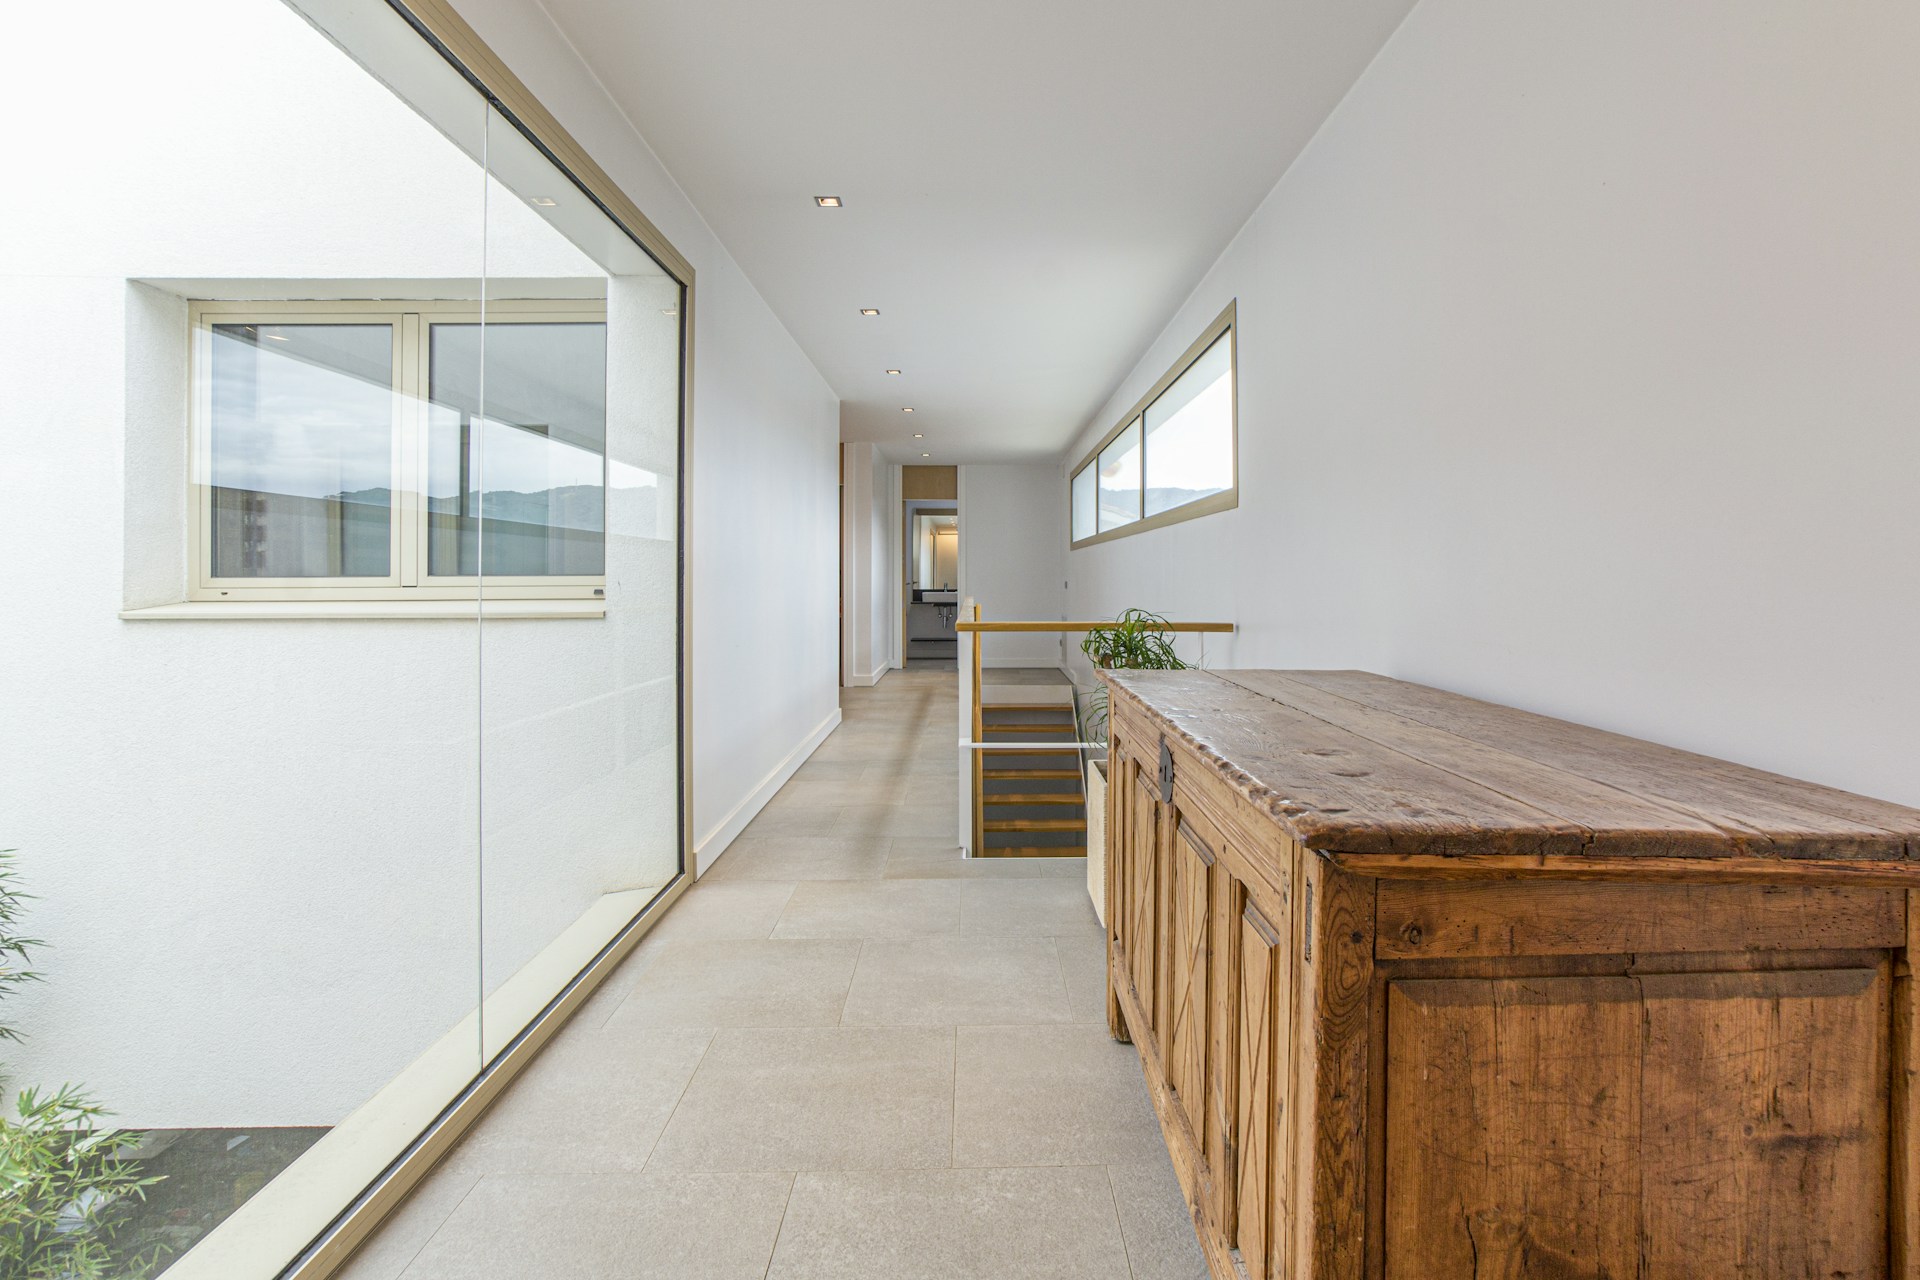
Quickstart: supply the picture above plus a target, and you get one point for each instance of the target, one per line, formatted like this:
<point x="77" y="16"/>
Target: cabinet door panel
<point x="1669" y="1127"/>
<point x="1262" y="1047"/>
<point x="1143" y="890"/>
<point x="1766" y="1124"/>
<point x="1191" y="986"/>
<point x="1512" y="1107"/>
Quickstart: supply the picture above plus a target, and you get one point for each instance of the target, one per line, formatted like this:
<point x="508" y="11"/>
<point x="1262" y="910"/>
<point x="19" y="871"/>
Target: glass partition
<point x="345" y="720"/>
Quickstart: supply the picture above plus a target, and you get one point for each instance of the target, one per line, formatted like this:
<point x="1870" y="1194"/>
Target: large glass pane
<point x="569" y="433"/>
<point x="1085" y="521"/>
<point x="543" y="440"/>
<point x="300" y="432"/>
<point x="1119" y="465"/>
<point x="1190" y="432"/>
<point x="262" y="929"/>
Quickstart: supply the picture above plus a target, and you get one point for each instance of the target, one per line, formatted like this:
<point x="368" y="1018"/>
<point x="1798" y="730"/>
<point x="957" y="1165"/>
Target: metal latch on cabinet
<point x="1166" y="773"/>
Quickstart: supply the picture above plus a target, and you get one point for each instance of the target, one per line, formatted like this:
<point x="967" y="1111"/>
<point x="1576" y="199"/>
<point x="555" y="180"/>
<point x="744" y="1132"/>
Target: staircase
<point x="1032" y="805"/>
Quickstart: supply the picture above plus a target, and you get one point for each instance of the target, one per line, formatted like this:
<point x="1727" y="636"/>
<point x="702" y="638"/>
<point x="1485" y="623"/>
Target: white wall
<point x="763" y="546"/>
<point x="868" y="547"/>
<point x="1013" y="538"/>
<point x="1578" y="371"/>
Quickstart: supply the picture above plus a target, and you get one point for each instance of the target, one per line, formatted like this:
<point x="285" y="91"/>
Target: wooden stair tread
<point x="1028" y="728"/>
<point x="1033" y="851"/>
<point x="1042" y="797"/>
<point x="1003" y="775"/>
<point x="1060" y="708"/>
<point x="1034" y="824"/>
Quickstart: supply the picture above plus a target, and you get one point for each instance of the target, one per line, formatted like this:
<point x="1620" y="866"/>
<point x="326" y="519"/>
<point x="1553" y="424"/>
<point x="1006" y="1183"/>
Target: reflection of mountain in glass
<point x="550" y="532"/>
<point x="291" y="535"/>
<point x="1165" y="498"/>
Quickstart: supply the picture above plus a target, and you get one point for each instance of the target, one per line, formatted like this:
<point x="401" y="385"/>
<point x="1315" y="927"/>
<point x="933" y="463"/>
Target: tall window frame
<point x="1222" y="329"/>
<point x="409" y="578"/>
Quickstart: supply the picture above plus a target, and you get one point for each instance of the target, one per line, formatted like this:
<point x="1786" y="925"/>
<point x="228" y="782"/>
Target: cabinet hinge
<point x="1166" y="772"/>
<point x="1306" y="931"/>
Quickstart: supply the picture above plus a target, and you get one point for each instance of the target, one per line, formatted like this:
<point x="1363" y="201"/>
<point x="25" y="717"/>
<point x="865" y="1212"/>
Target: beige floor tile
<point x="777" y="982"/>
<point x="815" y="1098"/>
<point x="1056" y="906"/>
<point x="532" y="1227"/>
<point x="951" y="1224"/>
<point x="1155" y="1222"/>
<point x="724" y="909"/>
<point x="561" y="1117"/>
<point x="890" y="820"/>
<point x="1083" y="963"/>
<point x="938" y="858"/>
<point x="792" y="820"/>
<point x="406" y="1232"/>
<point x="1050" y="1095"/>
<point x="610" y="1227"/>
<point x="821" y="857"/>
<point x="957" y="981"/>
<point x="871" y="909"/>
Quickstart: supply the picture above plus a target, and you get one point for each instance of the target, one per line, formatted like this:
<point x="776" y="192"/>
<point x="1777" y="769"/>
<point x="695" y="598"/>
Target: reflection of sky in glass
<point x="1190" y="433"/>
<point x="305" y="410"/>
<point x="1120" y="478"/>
<point x="1083" y="503"/>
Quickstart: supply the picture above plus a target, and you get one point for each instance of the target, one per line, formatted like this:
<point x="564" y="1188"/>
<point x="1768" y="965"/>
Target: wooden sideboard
<point x="1427" y="988"/>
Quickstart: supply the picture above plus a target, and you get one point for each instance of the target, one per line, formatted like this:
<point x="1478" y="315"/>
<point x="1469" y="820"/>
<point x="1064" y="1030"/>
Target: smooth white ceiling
<point x="1031" y="186"/>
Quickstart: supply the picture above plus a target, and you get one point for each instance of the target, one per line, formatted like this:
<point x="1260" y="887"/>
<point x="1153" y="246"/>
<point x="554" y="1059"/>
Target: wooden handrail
<point x="1089" y="626"/>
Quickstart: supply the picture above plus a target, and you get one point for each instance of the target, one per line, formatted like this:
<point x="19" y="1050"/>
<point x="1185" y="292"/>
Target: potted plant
<point x="1137" y="641"/>
<point x="65" y="1181"/>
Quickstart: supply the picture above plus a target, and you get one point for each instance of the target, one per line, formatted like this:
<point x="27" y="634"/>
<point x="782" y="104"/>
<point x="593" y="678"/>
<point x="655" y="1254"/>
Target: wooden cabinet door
<point x="1697" y="1126"/>
<point x="1262" y="1048"/>
<point x="1140" y="909"/>
<point x="1190" y="959"/>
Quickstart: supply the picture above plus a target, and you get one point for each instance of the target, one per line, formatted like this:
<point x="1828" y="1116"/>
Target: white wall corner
<point x="716" y="842"/>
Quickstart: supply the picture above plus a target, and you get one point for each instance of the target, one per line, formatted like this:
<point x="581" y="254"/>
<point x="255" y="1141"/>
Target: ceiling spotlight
<point x="827" y="202"/>
<point x="926" y="455"/>
<point x="545" y="202"/>
<point x="919" y="435"/>
<point x="869" y="311"/>
<point x="894" y="372"/>
<point x="907" y="410"/>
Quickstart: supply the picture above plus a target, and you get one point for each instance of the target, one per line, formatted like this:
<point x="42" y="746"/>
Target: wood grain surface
<point x="1353" y="762"/>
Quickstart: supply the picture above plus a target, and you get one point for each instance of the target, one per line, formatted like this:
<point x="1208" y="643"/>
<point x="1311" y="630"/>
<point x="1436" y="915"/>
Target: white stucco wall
<point x="1577" y="371"/>
<point x="1013" y="539"/>
<point x="256" y="844"/>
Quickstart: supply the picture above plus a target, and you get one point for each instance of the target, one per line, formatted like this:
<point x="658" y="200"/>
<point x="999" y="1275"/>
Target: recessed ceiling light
<point x="869" y="311"/>
<point x="919" y="435"/>
<point x="907" y="410"/>
<point x="545" y="202"/>
<point x="894" y="372"/>
<point x="827" y="202"/>
<point x="926" y="455"/>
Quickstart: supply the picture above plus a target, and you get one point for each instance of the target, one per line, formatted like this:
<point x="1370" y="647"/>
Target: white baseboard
<point x="857" y="681"/>
<point x="728" y="829"/>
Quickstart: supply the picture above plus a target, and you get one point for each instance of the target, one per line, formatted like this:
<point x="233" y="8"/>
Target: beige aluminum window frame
<point x="1227" y="499"/>
<point x="408" y="580"/>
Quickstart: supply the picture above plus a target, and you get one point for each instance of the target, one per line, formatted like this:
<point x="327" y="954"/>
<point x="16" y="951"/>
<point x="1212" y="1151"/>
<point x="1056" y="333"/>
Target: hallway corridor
<point x="846" y="1053"/>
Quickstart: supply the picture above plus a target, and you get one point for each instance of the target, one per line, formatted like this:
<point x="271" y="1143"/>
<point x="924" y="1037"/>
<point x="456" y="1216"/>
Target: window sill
<point x="364" y="610"/>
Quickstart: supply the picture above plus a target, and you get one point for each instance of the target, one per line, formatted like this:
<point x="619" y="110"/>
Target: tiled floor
<point x="846" y="1053"/>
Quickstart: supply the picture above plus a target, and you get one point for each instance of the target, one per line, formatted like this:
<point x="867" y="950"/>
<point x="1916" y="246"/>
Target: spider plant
<point x="66" y="1183"/>
<point x="1137" y="641"/>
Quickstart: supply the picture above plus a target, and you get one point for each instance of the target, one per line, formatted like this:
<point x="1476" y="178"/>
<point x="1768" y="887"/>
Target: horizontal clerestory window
<point x="369" y="450"/>
<point x="1173" y="456"/>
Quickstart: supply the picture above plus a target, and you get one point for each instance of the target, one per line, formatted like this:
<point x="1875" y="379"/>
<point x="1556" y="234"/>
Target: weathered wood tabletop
<point x="1354" y="762"/>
